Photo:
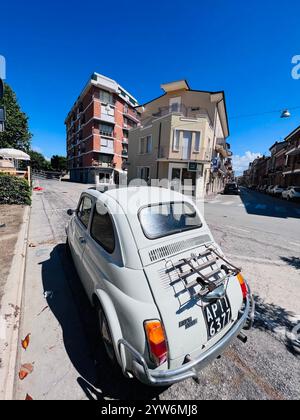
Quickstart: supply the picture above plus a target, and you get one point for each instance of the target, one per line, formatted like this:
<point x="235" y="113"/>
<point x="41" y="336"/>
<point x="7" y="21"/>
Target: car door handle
<point x="82" y="240"/>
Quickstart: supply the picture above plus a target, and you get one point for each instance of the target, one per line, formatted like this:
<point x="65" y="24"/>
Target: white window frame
<point x="176" y="149"/>
<point x="197" y="150"/>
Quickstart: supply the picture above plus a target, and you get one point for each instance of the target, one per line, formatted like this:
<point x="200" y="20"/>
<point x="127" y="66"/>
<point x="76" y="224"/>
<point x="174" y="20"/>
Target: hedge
<point x="14" y="190"/>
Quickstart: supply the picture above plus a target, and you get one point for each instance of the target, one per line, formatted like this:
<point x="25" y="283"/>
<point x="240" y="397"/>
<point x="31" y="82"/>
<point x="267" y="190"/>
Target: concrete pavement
<point x="63" y="347"/>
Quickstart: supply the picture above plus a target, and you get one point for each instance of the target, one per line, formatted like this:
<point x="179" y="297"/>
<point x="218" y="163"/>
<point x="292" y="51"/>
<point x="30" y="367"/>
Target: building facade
<point x="281" y="168"/>
<point x="97" y="131"/>
<point x="291" y="170"/>
<point x="182" y="139"/>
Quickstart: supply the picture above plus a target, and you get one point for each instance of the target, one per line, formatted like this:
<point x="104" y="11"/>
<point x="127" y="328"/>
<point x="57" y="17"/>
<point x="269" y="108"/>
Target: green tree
<point x="59" y="163"/>
<point x="16" y="134"/>
<point x="38" y="162"/>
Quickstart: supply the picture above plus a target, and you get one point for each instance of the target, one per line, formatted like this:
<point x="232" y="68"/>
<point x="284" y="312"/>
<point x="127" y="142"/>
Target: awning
<point x="14" y="154"/>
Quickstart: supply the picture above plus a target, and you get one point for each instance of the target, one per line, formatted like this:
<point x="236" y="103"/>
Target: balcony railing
<point x="183" y="153"/>
<point x="178" y="109"/>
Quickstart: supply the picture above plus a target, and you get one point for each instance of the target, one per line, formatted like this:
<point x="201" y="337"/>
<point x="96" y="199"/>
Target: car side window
<point x="102" y="231"/>
<point x="84" y="210"/>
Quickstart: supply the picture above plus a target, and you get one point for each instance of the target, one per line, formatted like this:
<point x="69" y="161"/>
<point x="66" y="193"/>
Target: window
<point x="146" y="145"/>
<point x="161" y="220"/>
<point x="176" y="140"/>
<point x="106" y="97"/>
<point x="106" y="130"/>
<point x="84" y="211"/>
<point x="143" y="173"/>
<point x="197" y="141"/>
<point x="102" y="231"/>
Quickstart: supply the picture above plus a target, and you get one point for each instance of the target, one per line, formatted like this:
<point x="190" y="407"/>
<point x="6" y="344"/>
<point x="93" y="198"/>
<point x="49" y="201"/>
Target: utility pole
<point x="2" y="109"/>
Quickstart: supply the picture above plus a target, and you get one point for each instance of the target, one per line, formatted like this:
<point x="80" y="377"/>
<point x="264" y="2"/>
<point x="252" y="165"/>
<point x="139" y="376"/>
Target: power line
<point x="261" y="113"/>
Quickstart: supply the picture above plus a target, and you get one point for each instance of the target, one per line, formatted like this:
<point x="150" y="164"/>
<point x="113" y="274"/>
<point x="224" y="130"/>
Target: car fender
<point x="113" y="322"/>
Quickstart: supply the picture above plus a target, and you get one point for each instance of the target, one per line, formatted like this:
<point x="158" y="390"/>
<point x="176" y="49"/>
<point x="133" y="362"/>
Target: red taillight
<point x="157" y="341"/>
<point x="243" y="285"/>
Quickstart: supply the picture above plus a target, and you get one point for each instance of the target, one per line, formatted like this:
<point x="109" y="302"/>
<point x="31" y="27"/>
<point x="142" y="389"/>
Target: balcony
<point x="101" y="164"/>
<point x="222" y="148"/>
<point x="291" y="168"/>
<point x="125" y="152"/>
<point x="183" y="154"/>
<point x="178" y="109"/>
<point x="293" y="151"/>
<point x="130" y="114"/>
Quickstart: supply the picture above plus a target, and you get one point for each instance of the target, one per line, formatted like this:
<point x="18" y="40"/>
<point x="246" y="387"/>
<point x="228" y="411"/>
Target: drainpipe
<point x="158" y="152"/>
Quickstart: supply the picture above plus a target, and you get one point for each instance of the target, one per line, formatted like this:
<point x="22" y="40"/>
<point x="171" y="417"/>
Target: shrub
<point x="14" y="190"/>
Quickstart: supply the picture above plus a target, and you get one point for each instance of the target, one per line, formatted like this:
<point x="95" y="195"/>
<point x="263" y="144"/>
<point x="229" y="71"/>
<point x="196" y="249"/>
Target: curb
<point x="12" y="304"/>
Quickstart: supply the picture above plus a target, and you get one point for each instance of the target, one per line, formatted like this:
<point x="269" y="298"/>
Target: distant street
<point x="257" y="232"/>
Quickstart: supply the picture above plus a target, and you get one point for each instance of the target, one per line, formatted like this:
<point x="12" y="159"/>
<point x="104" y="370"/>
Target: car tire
<point x="106" y="338"/>
<point x="68" y="249"/>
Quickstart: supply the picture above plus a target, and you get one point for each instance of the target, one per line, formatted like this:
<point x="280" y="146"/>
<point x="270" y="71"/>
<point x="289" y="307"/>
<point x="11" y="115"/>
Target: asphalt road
<point x="257" y="232"/>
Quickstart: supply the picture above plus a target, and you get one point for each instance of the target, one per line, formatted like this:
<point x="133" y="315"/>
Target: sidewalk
<point x="13" y="242"/>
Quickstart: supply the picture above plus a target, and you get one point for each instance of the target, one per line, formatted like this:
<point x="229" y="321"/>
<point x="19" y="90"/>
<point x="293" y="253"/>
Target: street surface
<point x="257" y="232"/>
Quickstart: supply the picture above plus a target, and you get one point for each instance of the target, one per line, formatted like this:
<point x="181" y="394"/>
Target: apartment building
<point x="291" y="170"/>
<point x="182" y="138"/>
<point x="97" y="129"/>
<point x="281" y="168"/>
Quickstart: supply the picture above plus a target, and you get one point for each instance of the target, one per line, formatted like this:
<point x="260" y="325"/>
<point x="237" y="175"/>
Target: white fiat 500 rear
<point x="169" y="302"/>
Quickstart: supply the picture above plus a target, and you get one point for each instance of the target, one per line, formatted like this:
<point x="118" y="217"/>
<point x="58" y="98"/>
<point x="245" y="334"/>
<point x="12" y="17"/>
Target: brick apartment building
<point x="281" y="168"/>
<point x="97" y="131"/>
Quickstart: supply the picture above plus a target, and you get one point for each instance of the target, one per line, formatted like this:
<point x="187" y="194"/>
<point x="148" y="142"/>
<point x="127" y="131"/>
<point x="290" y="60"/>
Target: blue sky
<point x="51" y="48"/>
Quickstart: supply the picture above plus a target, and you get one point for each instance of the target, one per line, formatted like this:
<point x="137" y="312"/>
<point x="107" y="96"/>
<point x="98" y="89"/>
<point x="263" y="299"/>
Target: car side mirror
<point x="70" y="212"/>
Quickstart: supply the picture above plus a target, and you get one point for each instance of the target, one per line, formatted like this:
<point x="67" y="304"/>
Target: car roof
<point x="146" y="196"/>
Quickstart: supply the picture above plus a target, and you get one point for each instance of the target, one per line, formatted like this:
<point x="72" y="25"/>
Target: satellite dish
<point x="1" y="89"/>
<point x="285" y="114"/>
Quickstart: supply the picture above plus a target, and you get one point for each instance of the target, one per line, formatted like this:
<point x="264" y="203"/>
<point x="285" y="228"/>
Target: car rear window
<point x="166" y="219"/>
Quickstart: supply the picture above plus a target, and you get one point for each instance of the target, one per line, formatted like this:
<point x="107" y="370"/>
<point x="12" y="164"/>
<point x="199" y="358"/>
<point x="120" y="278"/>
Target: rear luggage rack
<point x="211" y="276"/>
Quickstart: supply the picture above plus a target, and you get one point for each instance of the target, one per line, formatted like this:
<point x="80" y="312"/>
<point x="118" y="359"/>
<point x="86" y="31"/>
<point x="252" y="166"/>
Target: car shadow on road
<point x="260" y="204"/>
<point x="292" y="261"/>
<point x="279" y="322"/>
<point x="68" y="301"/>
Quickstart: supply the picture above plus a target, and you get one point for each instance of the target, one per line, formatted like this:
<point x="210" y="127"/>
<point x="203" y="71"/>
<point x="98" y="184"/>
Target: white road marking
<point x="255" y="259"/>
<point x="241" y="230"/>
<point x="228" y="203"/>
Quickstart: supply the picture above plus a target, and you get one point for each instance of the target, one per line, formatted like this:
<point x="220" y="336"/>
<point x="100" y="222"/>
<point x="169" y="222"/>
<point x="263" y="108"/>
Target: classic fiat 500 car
<point x="168" y="300"/>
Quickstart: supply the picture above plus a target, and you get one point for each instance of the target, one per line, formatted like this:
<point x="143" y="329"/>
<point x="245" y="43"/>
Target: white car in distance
<point x="291" y="193"/>
<point x="168" y="300"/>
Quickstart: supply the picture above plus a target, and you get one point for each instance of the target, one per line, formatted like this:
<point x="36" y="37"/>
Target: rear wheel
<point x="106" y="338"/>
<point x="68" y="250"/>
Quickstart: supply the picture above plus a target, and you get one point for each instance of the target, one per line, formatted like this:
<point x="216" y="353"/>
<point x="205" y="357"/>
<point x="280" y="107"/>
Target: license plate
<point x="218" y="316"/>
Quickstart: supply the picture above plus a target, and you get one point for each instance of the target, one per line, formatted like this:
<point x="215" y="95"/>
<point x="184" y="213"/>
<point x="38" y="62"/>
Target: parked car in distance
<point x="263" y="188"/>
<point x="231" y="188"/>
<point x="291" y="193"/>
<point x="277" y="191"/>
<point x="269" y="189"/>
<point x="167" y="299"/>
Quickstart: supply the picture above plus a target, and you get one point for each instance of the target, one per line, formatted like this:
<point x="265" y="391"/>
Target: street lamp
<point x="285" y="114"/>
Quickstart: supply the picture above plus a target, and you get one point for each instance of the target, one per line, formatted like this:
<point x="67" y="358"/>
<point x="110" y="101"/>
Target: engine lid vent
<point x="155" y="254"/>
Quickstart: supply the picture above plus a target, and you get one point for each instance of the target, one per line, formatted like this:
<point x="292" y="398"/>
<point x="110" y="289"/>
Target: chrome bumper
<point x="189" y="370"/>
